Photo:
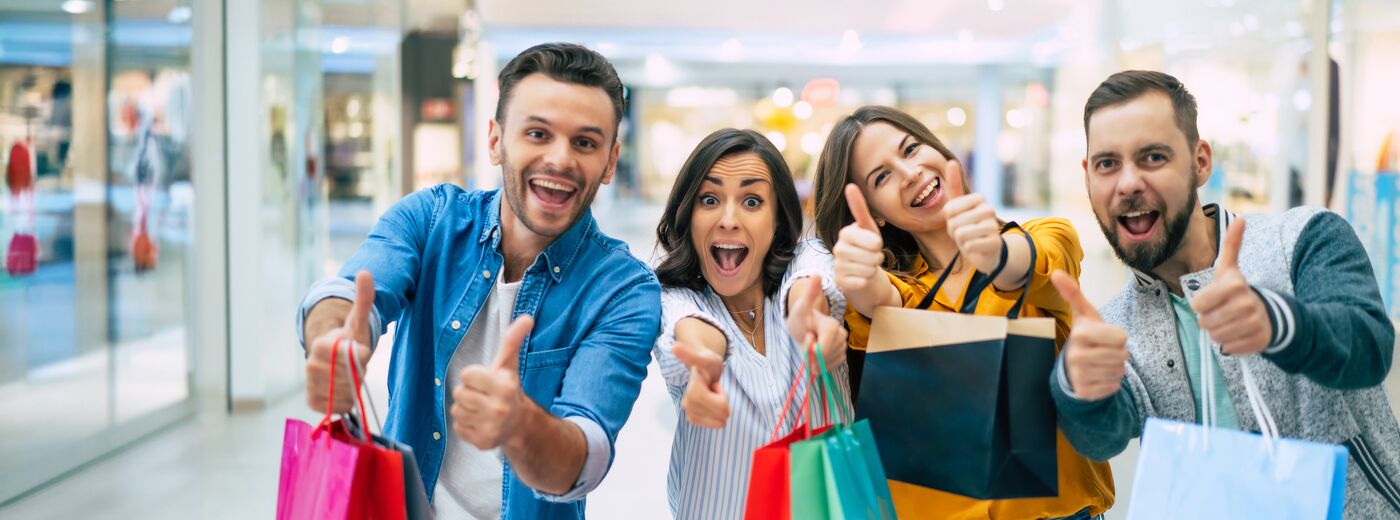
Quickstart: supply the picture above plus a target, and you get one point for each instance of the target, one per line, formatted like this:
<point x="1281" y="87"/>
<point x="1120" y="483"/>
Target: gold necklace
<point x="748" y="332"/>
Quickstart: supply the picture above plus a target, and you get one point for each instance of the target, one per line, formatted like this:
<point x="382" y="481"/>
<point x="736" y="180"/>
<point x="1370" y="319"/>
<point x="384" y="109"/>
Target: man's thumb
<point x="509" y="356"/>
<point x="1069" y="290"/>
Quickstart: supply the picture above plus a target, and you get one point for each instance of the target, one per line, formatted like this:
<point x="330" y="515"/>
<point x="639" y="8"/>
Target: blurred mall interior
<point x="197" y="164"/>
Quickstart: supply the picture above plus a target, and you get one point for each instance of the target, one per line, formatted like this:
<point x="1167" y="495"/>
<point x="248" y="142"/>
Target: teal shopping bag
<point x="838" y="475"/>
<point x="1232" y="474"/>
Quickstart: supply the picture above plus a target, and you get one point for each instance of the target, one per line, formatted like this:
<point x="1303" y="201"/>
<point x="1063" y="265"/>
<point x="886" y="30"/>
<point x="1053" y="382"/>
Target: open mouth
<point x="929" y="195"/>
<point x="1139" y="224"/>
<point x="552" y="193"/>
<point x="728" y="257"/>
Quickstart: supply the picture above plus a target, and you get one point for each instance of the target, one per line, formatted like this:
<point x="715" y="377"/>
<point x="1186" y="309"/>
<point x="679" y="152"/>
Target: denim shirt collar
<point x="560" y="253"/>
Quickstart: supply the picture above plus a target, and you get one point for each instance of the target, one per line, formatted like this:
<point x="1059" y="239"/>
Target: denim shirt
<point x="597" y="310"/>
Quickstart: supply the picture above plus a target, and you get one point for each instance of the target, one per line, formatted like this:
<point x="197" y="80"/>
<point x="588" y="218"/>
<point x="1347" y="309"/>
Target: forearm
<point x="697" y="332"/>
<point x="1018" y="263"/>
<point x="1336" y="345"/>
<point x="880" y="293"/>
<point x="548" y="453"/>
<point x="1098" y="429"/>
<point x="327" y="315"/>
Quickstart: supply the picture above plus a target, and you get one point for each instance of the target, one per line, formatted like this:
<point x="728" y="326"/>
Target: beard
<point x="1146" y="256"/>
<point x="516" y="189"/>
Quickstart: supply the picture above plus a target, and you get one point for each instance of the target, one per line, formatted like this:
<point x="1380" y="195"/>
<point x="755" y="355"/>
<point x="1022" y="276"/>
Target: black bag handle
<point x="980" y="281"/>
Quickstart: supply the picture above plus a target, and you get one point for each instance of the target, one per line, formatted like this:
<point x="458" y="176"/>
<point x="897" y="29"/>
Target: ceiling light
<point x="77" y="6"/>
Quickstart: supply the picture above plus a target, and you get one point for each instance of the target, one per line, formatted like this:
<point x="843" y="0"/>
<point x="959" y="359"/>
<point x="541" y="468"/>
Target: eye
<point x="1155" y="158"/>
<point x="586" y="144"/>
<point x="535" y="134"/>
<point x="709" y="200"/>
<point x="880" y="177"/>
<point x="910" y="148"/>
<point x="1105" y="164"/>
<point x="753" y="202"/>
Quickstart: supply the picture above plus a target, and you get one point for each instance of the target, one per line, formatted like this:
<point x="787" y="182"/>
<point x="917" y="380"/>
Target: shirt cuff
<point x="1064" y="381"/>
<point x="1281" y="319"/>
<point x="335" y="288"/>
<point x="595" y="465"/>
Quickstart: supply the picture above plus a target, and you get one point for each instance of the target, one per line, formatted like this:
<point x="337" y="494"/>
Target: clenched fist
<point x="972" y="223"/>
<point x="859" y="250"/>
<point x="354" y="334"/>
<point x="488" y="405"/>
<point x="1096" y="353"/>
<point x="1228" y="309"/>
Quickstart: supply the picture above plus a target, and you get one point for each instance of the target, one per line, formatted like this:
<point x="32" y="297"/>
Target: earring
<point x="879" y="222"/>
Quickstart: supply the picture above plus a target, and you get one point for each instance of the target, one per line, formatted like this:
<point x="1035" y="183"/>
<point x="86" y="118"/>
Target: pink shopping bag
<point x="318" y="470"/>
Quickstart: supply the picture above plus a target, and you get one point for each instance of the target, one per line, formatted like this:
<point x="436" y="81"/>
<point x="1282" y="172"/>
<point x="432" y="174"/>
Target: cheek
<point x="700" y="224"/>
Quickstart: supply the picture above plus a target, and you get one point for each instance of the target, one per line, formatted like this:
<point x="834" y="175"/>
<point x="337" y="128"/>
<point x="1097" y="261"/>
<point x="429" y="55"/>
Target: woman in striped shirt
<point x="733" y="266"/>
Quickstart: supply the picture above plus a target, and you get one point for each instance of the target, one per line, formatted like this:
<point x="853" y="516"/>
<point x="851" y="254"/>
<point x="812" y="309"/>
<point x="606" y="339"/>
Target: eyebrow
<point x="1155" y="147"/>
<point x="586" y="129"/>
<point x="742" y="183"/>
<point x="878" y="166"/>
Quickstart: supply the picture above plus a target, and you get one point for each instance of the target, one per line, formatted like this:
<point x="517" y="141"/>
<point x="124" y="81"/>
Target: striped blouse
<point x="709" y="470"/>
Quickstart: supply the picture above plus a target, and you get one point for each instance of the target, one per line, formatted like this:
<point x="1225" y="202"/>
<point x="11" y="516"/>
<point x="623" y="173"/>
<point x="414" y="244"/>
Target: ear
<point x="493" y="141"/>
<point x="612" y="162"/>
<point x="1204" y="162"/>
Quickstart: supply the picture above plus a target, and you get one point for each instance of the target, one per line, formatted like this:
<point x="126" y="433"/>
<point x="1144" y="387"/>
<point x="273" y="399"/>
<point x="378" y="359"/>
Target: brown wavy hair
<point x="834" y="171"/>
<point x="681" y="265"/>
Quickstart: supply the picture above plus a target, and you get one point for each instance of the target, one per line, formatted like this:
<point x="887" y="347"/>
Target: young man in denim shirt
<point x="508" y="416"/>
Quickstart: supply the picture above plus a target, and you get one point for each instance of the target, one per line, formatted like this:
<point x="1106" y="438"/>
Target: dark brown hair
<point x="834" y="171"/>
<point x="1129" y="84"/>
<point x="566" y="62"/>
<point x="681" y="265"/>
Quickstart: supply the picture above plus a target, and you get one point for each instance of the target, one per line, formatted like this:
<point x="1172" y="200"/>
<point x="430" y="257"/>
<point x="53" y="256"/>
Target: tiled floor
<point x="217" y="467"/>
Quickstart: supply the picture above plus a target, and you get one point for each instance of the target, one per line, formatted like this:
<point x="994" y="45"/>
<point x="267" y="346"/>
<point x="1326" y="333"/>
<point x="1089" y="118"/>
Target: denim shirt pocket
<point x="547" y="359"/>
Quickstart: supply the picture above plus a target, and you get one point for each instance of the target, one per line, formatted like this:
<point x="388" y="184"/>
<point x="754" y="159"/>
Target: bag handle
<point x="830" y="392"/>
<point x="927" y="302"/>
<point x="980" y="282"/>
<point x="355" y="380"/>
<point x="802" y="409"/>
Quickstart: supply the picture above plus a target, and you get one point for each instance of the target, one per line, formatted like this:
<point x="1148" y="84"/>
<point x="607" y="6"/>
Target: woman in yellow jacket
<point x="894" y="207"/>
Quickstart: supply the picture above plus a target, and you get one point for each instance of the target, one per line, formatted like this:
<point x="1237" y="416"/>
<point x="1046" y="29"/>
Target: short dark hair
<point x="681" y="265"/>
<point x="566" y="62"/>
<point x="1129" y="84"/>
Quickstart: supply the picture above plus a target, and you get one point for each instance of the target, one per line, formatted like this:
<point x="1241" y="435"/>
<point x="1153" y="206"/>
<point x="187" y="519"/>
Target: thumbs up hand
<point x="704" y="401"/>
<point x="808" y="321"/>
<point x="1228" y="309"/>
<point x="859" y="249"/>
<point x="330" y="348"/>
<point x="488" y="405"/>
<point x="972" y="223"/>
<point x="1096" y="353"/>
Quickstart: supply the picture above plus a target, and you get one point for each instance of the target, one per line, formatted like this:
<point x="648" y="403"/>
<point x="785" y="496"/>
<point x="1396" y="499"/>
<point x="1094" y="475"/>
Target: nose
<point x="557" y="155"/>
<point x="1130" y="182"/>
<point x="908" y="171"/>
<point x="729" y="217"/>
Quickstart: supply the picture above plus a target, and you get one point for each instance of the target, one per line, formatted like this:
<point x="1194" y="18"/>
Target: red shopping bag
<point x="378" y="490"/>
<point x="770" y="491"/>
<point x="318" y="471"/>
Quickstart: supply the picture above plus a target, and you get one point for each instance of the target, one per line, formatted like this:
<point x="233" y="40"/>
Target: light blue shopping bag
<point x="1183" y="473"/>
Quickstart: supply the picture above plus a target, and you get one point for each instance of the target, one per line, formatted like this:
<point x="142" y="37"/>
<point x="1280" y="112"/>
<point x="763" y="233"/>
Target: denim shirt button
<point x="437" y="381"/>
<point x="456" y="324"/>
<point x="437" y="436"/>
<point x="556" y="269"/>
<point x="486" y="275"/>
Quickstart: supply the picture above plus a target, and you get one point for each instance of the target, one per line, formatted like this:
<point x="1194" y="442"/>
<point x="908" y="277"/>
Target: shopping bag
<point x="1201" y="471"/>
<point x="769" y="494"/>
<point x="957" y="402"/>
<point x="837" y="475"/>
<point x="22" y="257"/>
<point x="318" y="470"/>
<point x="415" y="493"/>
<point x="378" y="489"/>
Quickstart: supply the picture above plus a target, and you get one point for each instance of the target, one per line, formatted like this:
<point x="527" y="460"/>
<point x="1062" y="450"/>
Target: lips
<point x="728" y="256"/>
<point x="552" y="192"/>
<point x="1139" y="224"/>
<point x="929" y="194"/>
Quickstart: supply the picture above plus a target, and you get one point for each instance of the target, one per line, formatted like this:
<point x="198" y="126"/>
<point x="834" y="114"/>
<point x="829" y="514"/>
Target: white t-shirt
<point x="469" y="483"/>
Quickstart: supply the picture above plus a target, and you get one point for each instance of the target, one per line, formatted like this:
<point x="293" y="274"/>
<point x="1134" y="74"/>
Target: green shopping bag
<point x="838" y="474"/>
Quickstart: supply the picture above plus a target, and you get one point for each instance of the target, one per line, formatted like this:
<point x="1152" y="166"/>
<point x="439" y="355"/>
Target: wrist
<point x="528" y="417"/>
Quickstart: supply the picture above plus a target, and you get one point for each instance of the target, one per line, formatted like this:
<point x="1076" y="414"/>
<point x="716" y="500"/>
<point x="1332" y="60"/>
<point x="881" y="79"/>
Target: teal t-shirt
<point x="1189" y="335"/>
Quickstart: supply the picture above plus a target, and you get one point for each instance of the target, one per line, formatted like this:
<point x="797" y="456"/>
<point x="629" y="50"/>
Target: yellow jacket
<point x="1083" y="483"/>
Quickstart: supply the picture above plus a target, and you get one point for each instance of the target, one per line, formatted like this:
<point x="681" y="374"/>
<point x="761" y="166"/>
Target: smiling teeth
<point x="551" y="185"/>
<point x="1136" y="214"/>
<point x="729" y="246"/>
<point x="927" y="190"/>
